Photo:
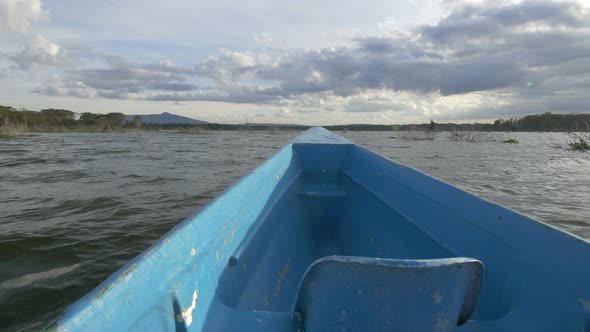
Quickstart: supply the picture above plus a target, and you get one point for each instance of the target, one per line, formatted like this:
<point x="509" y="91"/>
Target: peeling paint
<point x="217" y="255"/>
<point x="193" y="251"/>
<point x="299" y="316"/>
<point x="585" y="304"/>
<point x="278" y="287"/>
<point x="342" y="316"/>
<point x="282" y="274"/>
<point x="437" y="298"/>
<point x="285" y="269"/>
<point x="187" y="315"/>
<point x="123" y="276"/>
<point x="266" y="299"/>
<point x="442" y="324"/>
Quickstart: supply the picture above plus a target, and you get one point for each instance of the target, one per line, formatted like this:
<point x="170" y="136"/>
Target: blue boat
<point x="328" y="236"/>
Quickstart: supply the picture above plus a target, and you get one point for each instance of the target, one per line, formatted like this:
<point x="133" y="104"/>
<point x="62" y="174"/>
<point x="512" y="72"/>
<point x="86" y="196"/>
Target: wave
<point x="31" y="278"/>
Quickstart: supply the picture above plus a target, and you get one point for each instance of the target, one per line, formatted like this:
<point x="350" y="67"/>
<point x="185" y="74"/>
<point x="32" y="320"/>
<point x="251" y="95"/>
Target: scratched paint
<point x="187" y="315"/>
<point x="585" y="304"/>
<point x="281" y="276"/>
<point x="437" y="298"/>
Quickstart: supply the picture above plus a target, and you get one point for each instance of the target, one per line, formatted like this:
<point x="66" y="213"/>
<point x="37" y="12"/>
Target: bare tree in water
<point x="578" y="140"/>
<point x="417" y="134"/>
<point x="472" y="135"/>
<point x="138" y="121"/>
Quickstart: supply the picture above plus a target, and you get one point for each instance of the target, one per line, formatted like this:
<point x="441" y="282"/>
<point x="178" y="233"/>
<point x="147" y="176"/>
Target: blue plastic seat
<point x="344" y="293"/>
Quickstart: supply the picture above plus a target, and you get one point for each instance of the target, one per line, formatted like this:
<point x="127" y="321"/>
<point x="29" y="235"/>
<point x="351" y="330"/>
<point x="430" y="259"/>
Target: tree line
<point x="537" y="122"/>
<point x="60" y="120"/>
<point x="52" y="119"/>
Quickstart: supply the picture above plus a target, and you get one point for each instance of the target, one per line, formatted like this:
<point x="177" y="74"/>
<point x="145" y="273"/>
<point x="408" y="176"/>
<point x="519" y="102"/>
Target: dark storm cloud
<point x="480" y="21"/>
<point x="346" y="71"/>
<point x="167" y="86"/>
<point x="134" y="79"/>
<point x="124" y="81"/>
<point x="474" y="49"/>
<point x="48" y="91"/>
<point x="251" y="98"/>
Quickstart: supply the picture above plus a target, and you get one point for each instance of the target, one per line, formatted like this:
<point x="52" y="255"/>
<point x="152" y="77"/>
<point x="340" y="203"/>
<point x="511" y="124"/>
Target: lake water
<point x="76" y="207"/>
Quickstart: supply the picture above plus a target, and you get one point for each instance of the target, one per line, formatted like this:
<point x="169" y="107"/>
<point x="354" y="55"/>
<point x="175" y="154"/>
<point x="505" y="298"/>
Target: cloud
<point x="17" y="15"/>
<point x="284" y="112"/>
<point x="478" y="59"/>
<point x="49" y="91"/>
<point x="161" y="81"/>
<point x="125" y="80"/>
<point x="477" y="21"/>
<point x="38" y="51"/>
<point x="393" y="64"/>
<point x="131" y="78"/>
<point x="227" y="66"/>
<point x="266" y="40"/>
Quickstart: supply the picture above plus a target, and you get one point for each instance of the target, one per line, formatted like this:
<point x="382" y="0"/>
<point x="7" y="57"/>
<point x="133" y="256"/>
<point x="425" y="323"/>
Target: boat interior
<point x="348" y="240"/>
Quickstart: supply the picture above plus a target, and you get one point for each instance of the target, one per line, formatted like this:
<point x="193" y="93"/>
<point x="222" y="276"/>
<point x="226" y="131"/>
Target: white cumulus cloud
<point x="17" y="15"/>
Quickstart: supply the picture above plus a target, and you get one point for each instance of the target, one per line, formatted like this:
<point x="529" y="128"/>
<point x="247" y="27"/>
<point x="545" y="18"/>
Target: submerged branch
<point x="578" y="140"/>
<point x="473" y="136"/>
<point x="416" y="134"/>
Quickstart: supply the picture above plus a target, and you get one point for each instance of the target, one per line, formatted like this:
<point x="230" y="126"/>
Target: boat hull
<point x="239" y="262"/>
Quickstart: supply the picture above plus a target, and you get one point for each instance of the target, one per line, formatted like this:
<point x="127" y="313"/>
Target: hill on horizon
<point x="164" y="118"/>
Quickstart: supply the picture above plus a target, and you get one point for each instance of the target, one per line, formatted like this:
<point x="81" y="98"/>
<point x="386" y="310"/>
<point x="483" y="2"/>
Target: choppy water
<point x="76" y="207"/>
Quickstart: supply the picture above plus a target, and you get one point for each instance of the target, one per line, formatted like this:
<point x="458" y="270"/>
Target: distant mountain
<point x="164" y="118"/>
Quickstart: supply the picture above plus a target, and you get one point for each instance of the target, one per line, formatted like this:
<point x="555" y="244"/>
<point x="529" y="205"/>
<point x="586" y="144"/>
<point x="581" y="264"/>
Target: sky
<point x="307" y="62"/>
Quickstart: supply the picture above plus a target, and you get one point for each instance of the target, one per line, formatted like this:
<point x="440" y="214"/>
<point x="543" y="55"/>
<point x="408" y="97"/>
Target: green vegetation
<point x="15" y="122"/>
<point x="578" y="140"/>
<point x="510" y="141"/>
<point x="581" y="145"/>
<point x="56" y="120"/>
<point x="551" y="122"/>
<point x="191" y="131"/>
<point x="537" y="122"/>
